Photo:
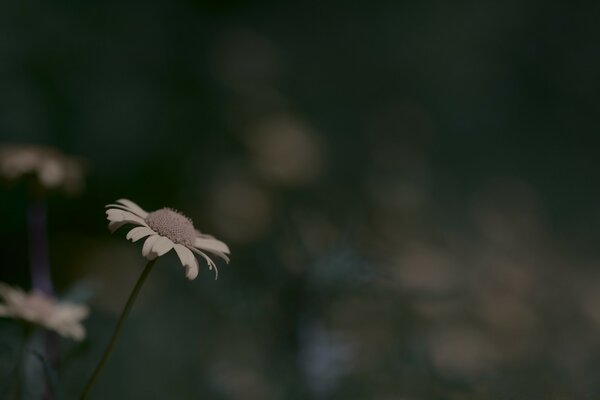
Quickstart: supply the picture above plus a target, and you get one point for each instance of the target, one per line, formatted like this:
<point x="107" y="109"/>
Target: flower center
<point x="172" y="225"/>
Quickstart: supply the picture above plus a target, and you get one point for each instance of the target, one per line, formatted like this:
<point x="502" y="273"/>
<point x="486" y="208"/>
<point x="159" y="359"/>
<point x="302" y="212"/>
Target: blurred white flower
<point x="286" y="151"/>
<point x="463" y="351"/>
<point x="51" y="168"/>
<point x="39" y="309"/>
<point x="166" y="229"/>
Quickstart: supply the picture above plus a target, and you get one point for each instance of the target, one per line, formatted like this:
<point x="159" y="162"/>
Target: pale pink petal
<point x="147" y="249"/>
<point x="162" y="246"/>
<point x="211" y="244"/>
<point x="139" y="232"/>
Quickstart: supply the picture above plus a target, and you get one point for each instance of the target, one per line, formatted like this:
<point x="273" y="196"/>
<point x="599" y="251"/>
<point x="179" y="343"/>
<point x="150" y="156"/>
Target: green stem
<point x="118" y="328"/>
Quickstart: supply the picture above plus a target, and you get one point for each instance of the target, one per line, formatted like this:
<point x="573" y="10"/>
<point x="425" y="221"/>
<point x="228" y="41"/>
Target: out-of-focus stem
<point x="39" y="262"/>
<point x="118" y="328"/>
<point x="37" y="221"/>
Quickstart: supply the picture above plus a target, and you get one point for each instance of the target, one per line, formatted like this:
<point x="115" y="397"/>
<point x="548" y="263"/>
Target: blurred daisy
<point x="286" y="151"/>
<point x="51" y="168"/>
<point x="39" y="309"/>
<point x="166" y="229"/>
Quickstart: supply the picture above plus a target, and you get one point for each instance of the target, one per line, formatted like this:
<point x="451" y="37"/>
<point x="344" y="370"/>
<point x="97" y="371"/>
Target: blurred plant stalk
<point x="39" y="264"/>
<point x="37" y="224"/>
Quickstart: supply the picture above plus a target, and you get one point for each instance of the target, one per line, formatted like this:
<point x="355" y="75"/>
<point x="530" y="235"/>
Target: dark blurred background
<point x="409" y="190"/>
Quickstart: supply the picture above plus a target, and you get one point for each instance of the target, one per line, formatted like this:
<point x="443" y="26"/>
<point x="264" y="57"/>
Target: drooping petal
<point x="134" y="208"/>
<point x="191" y="271"/>
<point x="162" y="246"/>
<point x="139" y="232"/>
<point x="187" y="260"/>
<point x="211" y="244"/>
<point x="147" y="249"/>
<point x="209" y="261"/>
<point x="223" y="256"/>
<point x="183" y="253"/>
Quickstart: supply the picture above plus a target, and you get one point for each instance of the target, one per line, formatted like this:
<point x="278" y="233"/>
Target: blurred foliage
<point x="408" y="189"/>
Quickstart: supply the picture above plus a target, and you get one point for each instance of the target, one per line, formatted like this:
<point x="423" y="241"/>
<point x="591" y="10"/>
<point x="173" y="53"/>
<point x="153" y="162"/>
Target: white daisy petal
<point x="183" y="253"/>
<point x="203" y="235"/>
<point x="134" y="208"/>
<point x="147" y="249"/>
<point x="117" y="207"/>
<point x="162" y="246"/>
<point x="223" y="256"/>
<point x="211" y="244"/>
<point x="191" y="271"/>
<point x="139" y="232"/>
<point x="114" y="225"/>
<point x="114" y="214"/>
<point x="167" y="229"/>
<point x="187" y="260"/>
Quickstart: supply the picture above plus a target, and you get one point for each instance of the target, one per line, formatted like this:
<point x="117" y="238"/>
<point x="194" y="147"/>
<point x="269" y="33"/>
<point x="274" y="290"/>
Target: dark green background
<point x="436" y="118"/>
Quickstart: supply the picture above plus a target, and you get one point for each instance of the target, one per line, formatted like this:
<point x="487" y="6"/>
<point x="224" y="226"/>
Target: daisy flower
<point x="166" y="229"/>
<point x="39" y="309"/>
<point x="48" y="166"/>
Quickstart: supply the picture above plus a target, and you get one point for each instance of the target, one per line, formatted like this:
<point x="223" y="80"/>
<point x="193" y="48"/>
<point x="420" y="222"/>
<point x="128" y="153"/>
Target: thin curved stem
<point x="118" y="328"/>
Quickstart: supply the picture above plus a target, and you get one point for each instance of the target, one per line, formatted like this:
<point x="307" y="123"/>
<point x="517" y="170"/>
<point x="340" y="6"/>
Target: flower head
<point x="39" y="309"/>
<point x="51" y="168"/>
<point x="166" y="229"/>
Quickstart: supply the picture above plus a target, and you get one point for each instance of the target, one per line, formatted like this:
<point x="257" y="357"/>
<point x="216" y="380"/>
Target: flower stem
<point x="37" y="220"/>
<point x="39" y="263"/>
<point x="118" y="328"/>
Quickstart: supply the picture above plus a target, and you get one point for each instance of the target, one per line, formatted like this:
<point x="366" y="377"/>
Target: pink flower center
<point x="173" y="225"/>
